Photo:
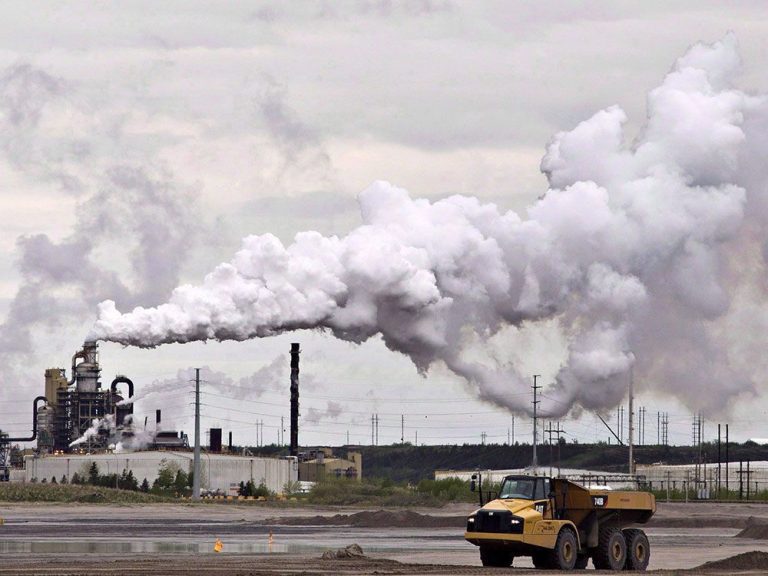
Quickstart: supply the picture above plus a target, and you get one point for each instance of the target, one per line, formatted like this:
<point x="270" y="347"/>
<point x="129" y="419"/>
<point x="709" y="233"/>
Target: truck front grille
<point x="499" y="521"/>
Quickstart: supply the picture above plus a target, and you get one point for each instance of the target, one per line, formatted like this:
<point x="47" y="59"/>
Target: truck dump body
<point x="576" y="502"/>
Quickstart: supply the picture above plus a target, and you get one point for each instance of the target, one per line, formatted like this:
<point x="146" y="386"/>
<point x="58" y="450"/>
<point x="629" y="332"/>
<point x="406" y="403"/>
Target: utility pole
<point x="347" y="437"/>
<point x="631" y="417"/>
<point x="377" y="429"/>
<point x="621" y="424"/>
<point x="718" y="461"/>
<point x="282" y="430"/>
<point x="513" y="429"/>
<point x="536" y="401"/>
<point x="402" y="428"/>
<point x="373" y="430"/>
<point x="559" y="431"/>
<point x="196" y="463"/>
<point x="658" y="428"/>
<point x="551" y="457"/>
<point x="727" y="458"/>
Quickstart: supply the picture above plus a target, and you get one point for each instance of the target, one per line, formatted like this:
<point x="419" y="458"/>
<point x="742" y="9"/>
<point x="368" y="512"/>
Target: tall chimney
<point x="158" y="417"/>
<point x="295" y="399"/>
<point x="230" y="440"/>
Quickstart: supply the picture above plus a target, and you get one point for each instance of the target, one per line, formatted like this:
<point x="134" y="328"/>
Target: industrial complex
<point x="79" y="422"/>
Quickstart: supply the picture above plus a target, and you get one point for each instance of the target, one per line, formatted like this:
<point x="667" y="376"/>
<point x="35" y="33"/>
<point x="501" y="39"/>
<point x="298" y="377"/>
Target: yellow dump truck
<point x="561" y="525"/>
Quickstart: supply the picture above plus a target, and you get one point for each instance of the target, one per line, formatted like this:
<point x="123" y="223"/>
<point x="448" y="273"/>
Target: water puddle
<point x="374" y="542"/>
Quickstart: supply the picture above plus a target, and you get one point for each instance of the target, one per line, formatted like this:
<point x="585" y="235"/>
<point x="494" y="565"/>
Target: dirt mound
<point x="746" y="561"/>
<point x="351" y="551"/>
<point x="379" y="518"/>
<point x="757" y="528"/>
<point x="405" y="519"/>
<point x="697" y="522"/>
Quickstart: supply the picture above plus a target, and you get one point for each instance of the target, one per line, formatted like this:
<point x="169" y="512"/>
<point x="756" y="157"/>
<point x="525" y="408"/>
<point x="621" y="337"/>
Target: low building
<point x="705" y="479"/>
<point x="322" y="464"/>
<point x="218" y="471"/>
<point x="579" y="475"/>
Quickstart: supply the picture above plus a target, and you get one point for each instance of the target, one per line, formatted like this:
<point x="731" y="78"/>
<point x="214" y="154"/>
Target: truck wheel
<point x="638" y="549"/>
<point x="563" y="557"/>
<point x="581" y="562"/>
<point x="611" y="553"/>
<point x="495" y="557"/>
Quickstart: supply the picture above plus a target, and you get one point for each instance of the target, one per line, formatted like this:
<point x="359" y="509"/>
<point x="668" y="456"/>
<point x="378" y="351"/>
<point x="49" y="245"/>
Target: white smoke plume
<point x="126" y="209"/>
<point x="98" y="425"/>
<point x="637" y="249"/>
<point x="270" y="377"/>
<point x="134" y="437"/>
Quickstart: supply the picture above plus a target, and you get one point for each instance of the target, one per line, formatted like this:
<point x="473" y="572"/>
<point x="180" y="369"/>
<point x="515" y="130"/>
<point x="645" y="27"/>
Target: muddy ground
<point x="179" y="539"/>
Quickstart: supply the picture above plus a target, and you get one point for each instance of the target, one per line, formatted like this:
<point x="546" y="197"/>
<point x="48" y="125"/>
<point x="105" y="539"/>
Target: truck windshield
<point x="518" y="488"/>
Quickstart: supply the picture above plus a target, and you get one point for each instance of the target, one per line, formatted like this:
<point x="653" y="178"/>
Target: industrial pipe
<point x="122" y="380"/>
<point x="34" y="423"/>
<point x="75" y="356"/>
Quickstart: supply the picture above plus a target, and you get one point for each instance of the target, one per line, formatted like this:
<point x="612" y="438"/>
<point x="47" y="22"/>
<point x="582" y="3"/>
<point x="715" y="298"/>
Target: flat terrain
<point x="179" y="538"/>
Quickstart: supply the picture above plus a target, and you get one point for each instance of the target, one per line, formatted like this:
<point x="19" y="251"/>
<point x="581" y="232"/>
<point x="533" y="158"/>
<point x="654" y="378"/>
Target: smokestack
<point x="230" y="440"/>
<point x="215" y="442"/>
<point x="157" y="418"/>
<point x="295" y="351"/>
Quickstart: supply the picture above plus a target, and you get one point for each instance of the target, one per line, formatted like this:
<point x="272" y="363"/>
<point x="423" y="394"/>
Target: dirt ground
<point x="178" y="539"/>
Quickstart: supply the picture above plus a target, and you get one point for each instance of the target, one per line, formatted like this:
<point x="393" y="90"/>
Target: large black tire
<point x="495" y="557"/>
<point x="638" y="549"/>
<point x="566" y="550"/>
<point x="611" y="553"/>
<point x="581" y="562"/>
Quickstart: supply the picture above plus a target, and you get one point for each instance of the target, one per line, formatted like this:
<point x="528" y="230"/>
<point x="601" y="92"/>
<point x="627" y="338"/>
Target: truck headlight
<point x="515" y="521"/>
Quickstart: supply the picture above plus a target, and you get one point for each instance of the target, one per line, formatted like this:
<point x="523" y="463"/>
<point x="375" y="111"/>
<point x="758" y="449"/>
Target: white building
<point x="704" y="477"/>
<point x="582" y="476"/>
<point x="219" y="471"/>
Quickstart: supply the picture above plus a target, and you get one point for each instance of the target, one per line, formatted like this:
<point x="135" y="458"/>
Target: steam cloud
<point x="640" y="252"/>
<point x="134" y="204"/>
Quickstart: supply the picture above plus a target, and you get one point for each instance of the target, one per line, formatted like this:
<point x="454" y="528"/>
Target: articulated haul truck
<point x="561" y="525"/>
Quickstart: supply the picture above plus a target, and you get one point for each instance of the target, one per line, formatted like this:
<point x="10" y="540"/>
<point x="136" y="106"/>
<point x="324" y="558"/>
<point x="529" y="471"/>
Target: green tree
<point x="130" y="481"/>
<point x="63" y="479"/>
<point x="180" y="482"/>
<point x="262" y="490"/>
<point x="93" y="474"/>
<point x="144" y="486"/>
<point x="76" y="479"/>
<point x="165" y="481"/>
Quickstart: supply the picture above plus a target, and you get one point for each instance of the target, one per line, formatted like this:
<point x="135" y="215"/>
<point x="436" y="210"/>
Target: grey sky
<point x="271" y="117"/>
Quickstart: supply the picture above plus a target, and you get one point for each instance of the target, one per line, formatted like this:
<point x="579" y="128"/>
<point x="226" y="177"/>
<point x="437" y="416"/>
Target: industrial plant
<point x="78" y="422"/>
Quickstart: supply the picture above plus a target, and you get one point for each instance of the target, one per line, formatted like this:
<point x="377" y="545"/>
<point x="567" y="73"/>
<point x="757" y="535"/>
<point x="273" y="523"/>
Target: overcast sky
<point x="139" y="142"/>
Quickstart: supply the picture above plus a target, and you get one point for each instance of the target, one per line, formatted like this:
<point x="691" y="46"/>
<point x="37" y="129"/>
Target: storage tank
<point x="87" y="372"/>
<point x="45" y="428"/>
